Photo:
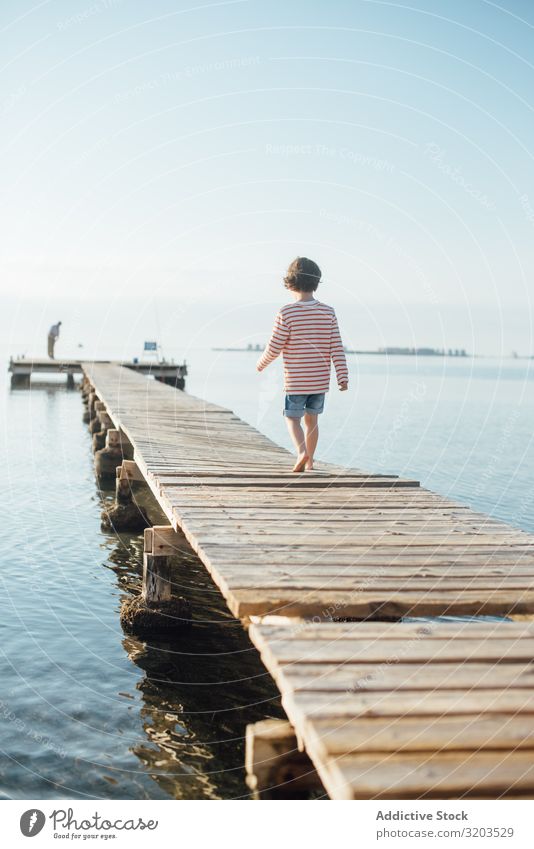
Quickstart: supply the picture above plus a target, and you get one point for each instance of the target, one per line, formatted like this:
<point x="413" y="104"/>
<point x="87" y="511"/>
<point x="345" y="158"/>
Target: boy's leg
<point x="297" y="435"/>
<point x="293" y="411"/>
<point x="311" y="436"/>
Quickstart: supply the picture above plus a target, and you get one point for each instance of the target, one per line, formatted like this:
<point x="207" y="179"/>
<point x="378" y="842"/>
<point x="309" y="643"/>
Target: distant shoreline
<point x="455" y="354"/>
<point x="384" y="352"/>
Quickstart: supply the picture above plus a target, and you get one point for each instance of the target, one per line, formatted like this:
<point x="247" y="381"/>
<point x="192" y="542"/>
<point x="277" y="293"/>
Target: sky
<point x="163" y="163"/>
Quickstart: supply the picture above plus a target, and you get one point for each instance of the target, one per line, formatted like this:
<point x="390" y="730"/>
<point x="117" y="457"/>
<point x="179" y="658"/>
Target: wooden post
<point x="108" y="458"/>
<point x="116" y="440"/>
<point x="95" y="425"/>
<point x="113" y="438"/>
<point x="174" y="380"/>
<point x="157" y="610"/>
<point x="99" y="433"/>
<point x="91" y="404"/>
<point x="20" y="381"/>
<point x="123" y="488"/>
<point x="156" y="572"/>
<point x="275" y="768"/>
<point x="86" y="391"/>
<point x="131" y="471"/>
<point x="125" y="515"/>
<point x="105" y="421"/>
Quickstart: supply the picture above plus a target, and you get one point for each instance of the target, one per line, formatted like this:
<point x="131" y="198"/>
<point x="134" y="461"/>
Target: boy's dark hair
<point x="303" y="275"/>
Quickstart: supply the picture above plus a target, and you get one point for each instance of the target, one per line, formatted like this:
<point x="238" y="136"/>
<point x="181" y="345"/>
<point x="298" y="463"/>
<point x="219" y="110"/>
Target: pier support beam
<point x="116" y="449"/>
<point x="99" y="437"/>
<point x="157" y="610"/>
<point x="20" y="381"/>
<point x="275" y="768"/>
<point x="177" y="382"/>
<point x="86" y="391"/>
<point x="91" y="401"/>
<point x="95" y="425"/>
<point x="89" y="415"/>
<point x="125" y="515"/>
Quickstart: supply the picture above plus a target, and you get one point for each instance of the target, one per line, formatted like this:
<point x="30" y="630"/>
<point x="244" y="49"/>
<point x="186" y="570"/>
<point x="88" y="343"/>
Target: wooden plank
<point x="443" y="526"/>
<point x="358" y="544"/>
<point x="283" y="483"/>
<point x="332" y="565"/>
<point x="355" y="677"/>
<point x="409" y="703"/>
<point x="372" y="553"/>
<point x="312" y="534"/>
<point x="480" y="629"/>
<point x="379" y="584"/>
<point x="330" y="604"/>
<point x="332" y="737"/>
<point x="411" y="650"/>
<point x="434" y="775"/>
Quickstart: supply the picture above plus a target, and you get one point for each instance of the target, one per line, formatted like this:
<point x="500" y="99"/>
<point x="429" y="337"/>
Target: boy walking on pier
<point x="306" y="333"/>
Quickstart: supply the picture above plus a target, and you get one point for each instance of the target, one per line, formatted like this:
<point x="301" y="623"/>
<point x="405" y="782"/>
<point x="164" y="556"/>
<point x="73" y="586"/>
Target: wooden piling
<point x="95" y="425"/>
<point x="108" y="458"/>
<point x="93" y="398"/>
<point x="104" y="424"/>
<point x="157" y="610"/>
<point x="20" y="381"/>
<point x="124" y="515"/>
<point x="275" y="767"/>
<point x="156" y="572"/>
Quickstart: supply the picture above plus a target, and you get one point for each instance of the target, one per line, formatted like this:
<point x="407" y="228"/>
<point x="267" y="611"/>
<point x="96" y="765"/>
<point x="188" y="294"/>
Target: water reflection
<point x="199" y="691"/>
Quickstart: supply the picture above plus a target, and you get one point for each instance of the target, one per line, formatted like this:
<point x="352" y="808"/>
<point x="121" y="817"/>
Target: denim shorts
<point x="296" y="405"/>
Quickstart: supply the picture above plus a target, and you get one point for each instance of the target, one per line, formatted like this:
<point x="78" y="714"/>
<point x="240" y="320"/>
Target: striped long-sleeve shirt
<point x="307" y="335"/>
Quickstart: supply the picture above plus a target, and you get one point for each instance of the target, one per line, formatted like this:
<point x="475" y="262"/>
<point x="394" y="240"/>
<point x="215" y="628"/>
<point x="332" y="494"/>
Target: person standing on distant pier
<point x="306" y="333"/>
<point x="53" y="334"/>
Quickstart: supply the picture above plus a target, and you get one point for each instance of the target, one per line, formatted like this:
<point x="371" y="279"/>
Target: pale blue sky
<point x="181" y="154"/>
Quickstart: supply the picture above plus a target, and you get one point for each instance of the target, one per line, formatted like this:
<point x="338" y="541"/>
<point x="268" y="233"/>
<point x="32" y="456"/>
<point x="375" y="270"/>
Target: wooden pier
<point x="394" y="709"/>
<point x="22" y="368"/>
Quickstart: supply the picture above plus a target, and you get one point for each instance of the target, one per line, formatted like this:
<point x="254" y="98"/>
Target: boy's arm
<point x="338" y="355"/>
<point x="276" y="343"/>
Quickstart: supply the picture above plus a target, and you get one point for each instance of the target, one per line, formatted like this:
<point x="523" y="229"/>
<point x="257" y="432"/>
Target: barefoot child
<point x="307" y="335"/>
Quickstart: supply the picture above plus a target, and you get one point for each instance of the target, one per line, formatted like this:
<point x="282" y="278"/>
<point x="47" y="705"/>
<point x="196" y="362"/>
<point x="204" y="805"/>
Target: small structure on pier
<point x="22" y="368"/>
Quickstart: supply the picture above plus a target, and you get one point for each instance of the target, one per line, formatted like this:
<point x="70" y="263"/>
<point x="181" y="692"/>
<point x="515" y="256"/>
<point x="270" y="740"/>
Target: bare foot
<point x="309" y="464"/>
<point x="302" y="459"/>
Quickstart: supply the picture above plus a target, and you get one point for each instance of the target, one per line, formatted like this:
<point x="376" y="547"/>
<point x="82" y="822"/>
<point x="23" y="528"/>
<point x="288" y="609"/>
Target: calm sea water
<point x="88" y="712"/>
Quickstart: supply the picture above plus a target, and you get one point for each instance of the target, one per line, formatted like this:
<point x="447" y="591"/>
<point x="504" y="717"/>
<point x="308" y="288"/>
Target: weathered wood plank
<point x="411" y="650"/>
<point x="434" y="775"/>
<point x="333" y="737"/>
<point x="361" y="604"/>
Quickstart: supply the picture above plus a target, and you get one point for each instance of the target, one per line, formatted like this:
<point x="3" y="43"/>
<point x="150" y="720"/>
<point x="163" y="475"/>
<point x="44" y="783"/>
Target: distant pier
<point x="22" y="368"/>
